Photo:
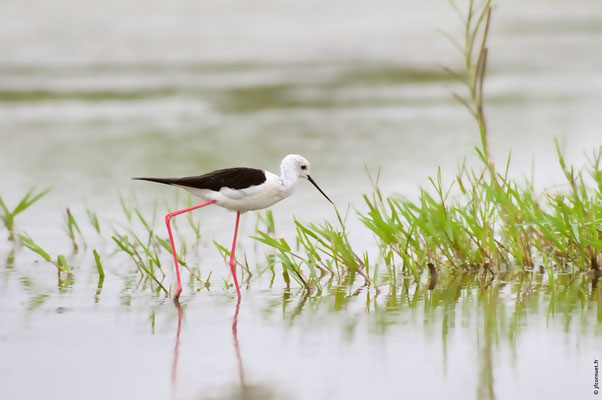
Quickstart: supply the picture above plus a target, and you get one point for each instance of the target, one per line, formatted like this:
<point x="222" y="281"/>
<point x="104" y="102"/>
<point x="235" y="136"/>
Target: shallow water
<point x="92" y="95"/>
<point x="466" y="338"/>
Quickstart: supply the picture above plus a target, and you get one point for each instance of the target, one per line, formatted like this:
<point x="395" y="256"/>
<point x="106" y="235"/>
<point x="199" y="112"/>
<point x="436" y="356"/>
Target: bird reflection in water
<point x="176" y="349"/>
<point x="241" y="371"/>
<point x="240" y="390"/>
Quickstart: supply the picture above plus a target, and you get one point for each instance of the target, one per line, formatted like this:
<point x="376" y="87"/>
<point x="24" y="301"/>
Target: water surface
<point x="93" y="94"/>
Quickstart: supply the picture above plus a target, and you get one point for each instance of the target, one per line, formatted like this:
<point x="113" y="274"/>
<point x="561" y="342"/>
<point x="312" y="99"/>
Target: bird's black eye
<point x="304" y="167"/>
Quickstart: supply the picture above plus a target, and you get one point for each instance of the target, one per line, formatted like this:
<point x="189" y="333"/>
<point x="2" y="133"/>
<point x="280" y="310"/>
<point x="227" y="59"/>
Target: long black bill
<point x="318" y="187"/>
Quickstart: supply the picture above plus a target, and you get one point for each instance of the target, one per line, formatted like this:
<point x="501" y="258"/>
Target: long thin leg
<point x="173" y="247"/>
<point x="232" y="259"/>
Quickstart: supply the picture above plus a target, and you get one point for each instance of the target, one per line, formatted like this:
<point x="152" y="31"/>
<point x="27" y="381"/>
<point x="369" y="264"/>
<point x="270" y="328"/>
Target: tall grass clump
<point x="492" y="225"/>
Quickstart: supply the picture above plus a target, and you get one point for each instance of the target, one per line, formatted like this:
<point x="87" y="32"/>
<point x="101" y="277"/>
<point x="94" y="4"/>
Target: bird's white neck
<point x="288" y="177"/>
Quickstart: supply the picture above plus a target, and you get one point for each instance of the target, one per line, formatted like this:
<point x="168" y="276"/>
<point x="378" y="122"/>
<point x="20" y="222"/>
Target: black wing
<point x="233" y="178"/>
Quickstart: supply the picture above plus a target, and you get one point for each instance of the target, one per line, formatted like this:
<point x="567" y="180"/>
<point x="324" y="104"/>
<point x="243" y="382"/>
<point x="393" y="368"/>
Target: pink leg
<point x="173" y="247"/>
<point x="232" y="259"/>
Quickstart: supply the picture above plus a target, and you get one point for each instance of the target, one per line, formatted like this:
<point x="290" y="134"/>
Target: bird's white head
<point x="295" y="165"/>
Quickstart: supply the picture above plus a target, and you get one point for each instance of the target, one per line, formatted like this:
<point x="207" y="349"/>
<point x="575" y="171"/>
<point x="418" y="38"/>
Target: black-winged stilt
<point x="240" y="190"/>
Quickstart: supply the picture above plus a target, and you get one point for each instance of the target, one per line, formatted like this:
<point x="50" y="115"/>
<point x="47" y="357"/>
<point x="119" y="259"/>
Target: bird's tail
<point x="167" y="181"/>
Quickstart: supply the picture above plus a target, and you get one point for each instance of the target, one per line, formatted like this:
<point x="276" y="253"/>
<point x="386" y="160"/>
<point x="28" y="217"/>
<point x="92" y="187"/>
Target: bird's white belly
<point x="242" y="200"/>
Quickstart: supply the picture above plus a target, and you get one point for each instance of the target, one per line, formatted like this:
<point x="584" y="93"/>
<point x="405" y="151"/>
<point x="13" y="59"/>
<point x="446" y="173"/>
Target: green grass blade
<point x="99" y="268"/>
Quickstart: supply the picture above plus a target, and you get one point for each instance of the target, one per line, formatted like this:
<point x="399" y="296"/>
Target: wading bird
<point x="240" y="190"/>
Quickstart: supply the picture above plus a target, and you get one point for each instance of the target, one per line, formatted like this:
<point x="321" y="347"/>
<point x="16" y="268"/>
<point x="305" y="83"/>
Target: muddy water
<point x="92" y="95"/>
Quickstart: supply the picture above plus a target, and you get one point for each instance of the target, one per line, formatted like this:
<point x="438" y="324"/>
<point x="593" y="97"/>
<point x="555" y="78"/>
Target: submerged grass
<point x="60" y="263"/>
<point x="8" y="216"/>
<point x="324" y="250"/>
